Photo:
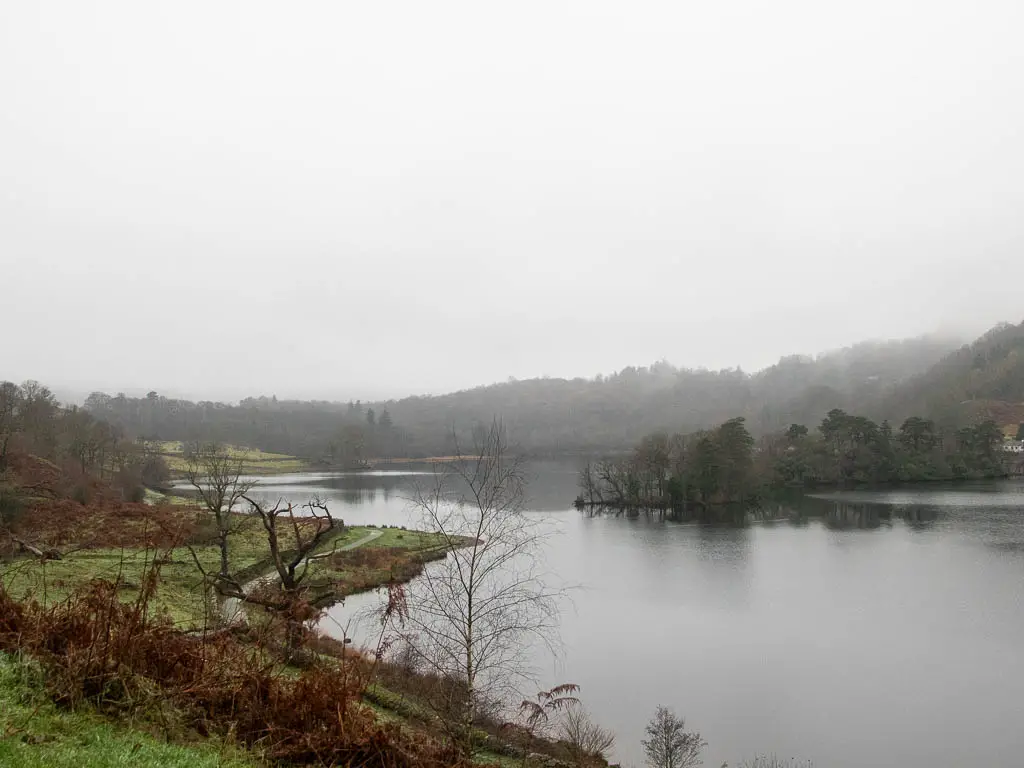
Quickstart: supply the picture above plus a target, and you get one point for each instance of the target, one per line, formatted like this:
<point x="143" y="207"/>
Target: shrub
<point x="12" y="505"/>
<point x="82" y="493"/>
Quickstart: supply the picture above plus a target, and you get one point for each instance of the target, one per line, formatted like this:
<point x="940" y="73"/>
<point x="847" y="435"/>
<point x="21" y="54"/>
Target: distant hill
<point x="613" y="412"/>
<point x="858" y="379"/>
<point x="545" y="415"/>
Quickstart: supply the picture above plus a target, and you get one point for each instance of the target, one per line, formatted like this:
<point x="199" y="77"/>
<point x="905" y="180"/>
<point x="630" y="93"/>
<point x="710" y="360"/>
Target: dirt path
<point x="232" y="608"/>
<point x="365" y="540"/>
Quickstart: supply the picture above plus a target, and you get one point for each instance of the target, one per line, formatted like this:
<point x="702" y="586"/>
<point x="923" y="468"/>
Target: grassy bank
<point x="34" y="733"/>
<point x="394" y="555"/>
<point x="397" y="555"/>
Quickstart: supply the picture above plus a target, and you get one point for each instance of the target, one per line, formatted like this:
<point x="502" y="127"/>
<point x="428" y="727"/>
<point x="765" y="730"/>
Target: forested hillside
<point x="543" y="416"/>
<point x="982" y="380"/>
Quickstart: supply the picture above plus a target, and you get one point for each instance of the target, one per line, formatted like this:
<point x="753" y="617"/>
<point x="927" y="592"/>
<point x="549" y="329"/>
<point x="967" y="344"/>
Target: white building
<point x="1014" y="446"/>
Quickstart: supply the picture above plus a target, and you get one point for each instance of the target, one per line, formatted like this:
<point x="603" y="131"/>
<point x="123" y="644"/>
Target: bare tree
<point x="291" y="565"/>
<point x="292" y="570"/>
<point x="288" y="568"/>
<point x="217" y="477"/>
<point x="669" y="744"/>
<point x="10" y="403"/>
<point x="590" y="489"/>
<point x="586" y="742"/>
<point x="472" y="614"/>
<point x="613" y="478"/>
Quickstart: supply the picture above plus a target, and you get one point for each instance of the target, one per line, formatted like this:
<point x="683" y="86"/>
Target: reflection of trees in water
<point x="364" y="495"/>
<point x="358" y="495"/>
<point x="365" y="488"/>
<point x="843" y="514"/>
<point x="917" y="517"/>
<point x="838" y="514"/>
<point x="849" y="515"/>
<point x="724" y="514"/>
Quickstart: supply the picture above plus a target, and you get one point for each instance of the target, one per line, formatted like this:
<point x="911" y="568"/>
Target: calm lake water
<point x="880" y="628"/>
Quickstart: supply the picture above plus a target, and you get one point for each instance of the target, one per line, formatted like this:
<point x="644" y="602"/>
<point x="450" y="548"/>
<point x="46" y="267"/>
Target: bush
<point x="82" y="493"/>
<point x="155" y="471"/>
<point x="12" y="505"/>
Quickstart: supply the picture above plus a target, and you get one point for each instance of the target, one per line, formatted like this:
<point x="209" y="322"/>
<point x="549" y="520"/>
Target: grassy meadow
<point x="394" y="554"/>
<point x="254" y="461"/>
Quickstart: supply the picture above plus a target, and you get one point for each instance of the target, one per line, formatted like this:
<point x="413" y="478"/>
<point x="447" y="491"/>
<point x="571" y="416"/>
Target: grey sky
<point x="347" y="199"/>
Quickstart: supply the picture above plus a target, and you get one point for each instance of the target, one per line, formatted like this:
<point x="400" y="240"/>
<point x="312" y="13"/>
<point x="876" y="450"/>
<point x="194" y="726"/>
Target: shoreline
<point x="417" y="560"/>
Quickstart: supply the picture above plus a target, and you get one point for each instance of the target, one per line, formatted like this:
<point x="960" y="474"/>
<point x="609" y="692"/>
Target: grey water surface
<point x="864" y="628"/>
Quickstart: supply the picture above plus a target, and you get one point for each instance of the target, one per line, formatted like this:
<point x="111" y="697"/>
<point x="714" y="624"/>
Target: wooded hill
<point x="982" y="380"/>
<point x="545" y="416"/>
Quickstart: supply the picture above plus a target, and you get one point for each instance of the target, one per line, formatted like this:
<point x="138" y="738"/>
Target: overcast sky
<point x="344" y="199"/>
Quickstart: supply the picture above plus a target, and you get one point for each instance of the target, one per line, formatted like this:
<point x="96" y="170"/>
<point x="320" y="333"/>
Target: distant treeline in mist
<point x="891" y="380"/>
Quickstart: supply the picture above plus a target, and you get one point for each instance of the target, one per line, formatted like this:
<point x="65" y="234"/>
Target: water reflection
<point x="894" y="613"/>
<point x="349" y="485"/>
<point x="842" y="514"/>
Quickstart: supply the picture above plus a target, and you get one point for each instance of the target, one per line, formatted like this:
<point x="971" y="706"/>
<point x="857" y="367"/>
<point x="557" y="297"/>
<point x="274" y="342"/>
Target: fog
<point x="367" y="200"/>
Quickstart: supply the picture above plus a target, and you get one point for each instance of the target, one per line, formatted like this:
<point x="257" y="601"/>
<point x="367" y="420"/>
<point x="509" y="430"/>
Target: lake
<point x="871" y="628"/>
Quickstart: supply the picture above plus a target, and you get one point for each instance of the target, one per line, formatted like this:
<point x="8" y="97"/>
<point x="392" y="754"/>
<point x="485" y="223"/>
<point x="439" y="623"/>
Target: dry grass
<point x="395" y="557"/>
<point x="98" y="651"/>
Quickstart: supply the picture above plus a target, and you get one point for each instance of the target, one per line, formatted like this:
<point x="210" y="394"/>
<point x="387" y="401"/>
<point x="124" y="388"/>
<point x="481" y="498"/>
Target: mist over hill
<point x="550" y="415"/>
<point x="981" y="380"/>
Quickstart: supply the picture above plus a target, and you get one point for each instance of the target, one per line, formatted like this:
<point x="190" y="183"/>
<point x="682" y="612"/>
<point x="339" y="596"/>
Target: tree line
<point x="543" y="416"/>
<point x="549" y="416"/>
<point x="32" y="421"/>
<point x="726" y="466"/>
<point x="337" y="434"/>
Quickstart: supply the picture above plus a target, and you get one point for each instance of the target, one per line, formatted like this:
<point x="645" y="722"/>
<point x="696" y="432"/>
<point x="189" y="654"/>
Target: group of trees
<point x="334" y="433"/>
<point x="363" y="437"/>
<point x="708" y="467"/>
<point x="726" y="465"/>
<point x="849" y="449"/>
<point x="32" y="421"/>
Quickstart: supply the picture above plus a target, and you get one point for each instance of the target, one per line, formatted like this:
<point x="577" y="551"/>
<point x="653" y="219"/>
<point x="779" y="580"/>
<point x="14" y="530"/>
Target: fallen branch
<point x="48" y="554"/>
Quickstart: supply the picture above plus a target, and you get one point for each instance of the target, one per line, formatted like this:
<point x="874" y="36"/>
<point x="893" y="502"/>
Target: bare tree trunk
<point x="471" y="614"/>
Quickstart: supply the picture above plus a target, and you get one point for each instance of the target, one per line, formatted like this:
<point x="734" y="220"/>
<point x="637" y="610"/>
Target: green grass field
<point x="155" y="497"/>
<point x="35" y="734"/>
<point x="180" y="592"/>
<point x="254" y="461"/>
